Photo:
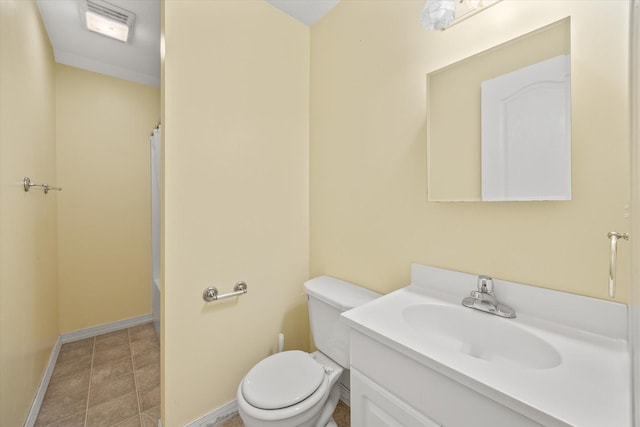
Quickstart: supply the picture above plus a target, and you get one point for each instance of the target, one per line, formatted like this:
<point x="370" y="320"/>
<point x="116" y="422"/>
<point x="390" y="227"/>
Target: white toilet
<point x="298" y="389"/>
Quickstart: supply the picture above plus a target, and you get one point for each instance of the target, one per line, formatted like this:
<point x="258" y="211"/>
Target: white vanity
<point x="420" y="358"/>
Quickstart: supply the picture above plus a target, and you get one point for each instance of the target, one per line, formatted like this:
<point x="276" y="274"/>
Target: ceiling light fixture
<point x="441" y="14"/>
<point x="107" y="19"/>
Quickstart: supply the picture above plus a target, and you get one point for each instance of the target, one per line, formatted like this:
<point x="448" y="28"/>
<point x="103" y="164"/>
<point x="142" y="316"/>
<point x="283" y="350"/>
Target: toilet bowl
<point x="298" y="389"/>
<point x="288" y="389"/>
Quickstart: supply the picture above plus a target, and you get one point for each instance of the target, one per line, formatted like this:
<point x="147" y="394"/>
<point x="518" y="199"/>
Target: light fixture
<point x="474" y="4"/>
<point x="107" y="19"/>
<point x="438" y="14"/>
<point x="442" y="14"/>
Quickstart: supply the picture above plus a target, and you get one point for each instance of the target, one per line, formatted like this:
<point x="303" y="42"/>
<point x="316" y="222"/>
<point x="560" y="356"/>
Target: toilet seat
<point x="282" y="380"/>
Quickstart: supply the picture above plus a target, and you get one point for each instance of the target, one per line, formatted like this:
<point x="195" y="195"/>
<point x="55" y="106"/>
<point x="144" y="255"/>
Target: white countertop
<point x="590" y="386"/>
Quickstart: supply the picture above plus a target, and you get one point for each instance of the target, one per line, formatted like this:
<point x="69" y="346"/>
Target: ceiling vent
<point x="107" y="19"/>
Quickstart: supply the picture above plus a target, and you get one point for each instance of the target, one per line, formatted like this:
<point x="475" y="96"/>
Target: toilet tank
<point x="327" y="298"/>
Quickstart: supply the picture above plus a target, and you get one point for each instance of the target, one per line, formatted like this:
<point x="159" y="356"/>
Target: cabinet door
<point x="372" y="406"/>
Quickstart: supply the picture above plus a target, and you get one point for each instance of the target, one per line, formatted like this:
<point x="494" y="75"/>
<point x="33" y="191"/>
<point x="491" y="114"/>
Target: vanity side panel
<point x="438" y="397"/>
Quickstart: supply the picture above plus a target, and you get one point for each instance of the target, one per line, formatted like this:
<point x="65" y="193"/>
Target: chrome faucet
<point x="484" y="300"/>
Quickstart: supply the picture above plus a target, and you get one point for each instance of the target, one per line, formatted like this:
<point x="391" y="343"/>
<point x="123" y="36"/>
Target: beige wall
<point x="28" y="254"/>
<point x="369" y="214"/>
<point x="235" y="124"/>
<point x="103" y="127"/>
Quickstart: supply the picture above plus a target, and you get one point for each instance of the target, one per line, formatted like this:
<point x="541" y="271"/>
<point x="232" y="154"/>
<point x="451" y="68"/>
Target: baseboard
<point x="345" y="395"/>
<point x="216" y="416"/>
<point x="42" y="389"/>
<point x="105" y="328"/>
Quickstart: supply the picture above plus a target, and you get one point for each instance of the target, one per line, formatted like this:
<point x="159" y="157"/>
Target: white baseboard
<point x="216" y="416"/>
<point x="106" y="328"/>
<point x="37" y="401"/>
<point x="345" y="395"/>
<point x="70" y="337"/>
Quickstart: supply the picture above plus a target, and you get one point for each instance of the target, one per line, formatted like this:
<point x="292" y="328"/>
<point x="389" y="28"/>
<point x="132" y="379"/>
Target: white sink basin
<point x="480" y="335"/>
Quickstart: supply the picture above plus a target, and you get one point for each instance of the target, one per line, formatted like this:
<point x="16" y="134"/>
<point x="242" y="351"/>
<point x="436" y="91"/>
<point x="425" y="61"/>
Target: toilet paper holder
<point x="211" y="293"/>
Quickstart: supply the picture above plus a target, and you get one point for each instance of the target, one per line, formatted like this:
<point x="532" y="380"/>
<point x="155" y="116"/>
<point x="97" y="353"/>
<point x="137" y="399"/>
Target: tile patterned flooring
<point x="342" y="417"/>
<point x="111" y="380"/>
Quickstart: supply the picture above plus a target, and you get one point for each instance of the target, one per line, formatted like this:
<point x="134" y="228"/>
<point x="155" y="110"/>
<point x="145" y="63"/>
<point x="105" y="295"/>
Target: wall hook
<point x="614" y="236"/>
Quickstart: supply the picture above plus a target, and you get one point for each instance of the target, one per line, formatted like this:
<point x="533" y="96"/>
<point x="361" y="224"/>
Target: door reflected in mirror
<point x="499" y="122"/>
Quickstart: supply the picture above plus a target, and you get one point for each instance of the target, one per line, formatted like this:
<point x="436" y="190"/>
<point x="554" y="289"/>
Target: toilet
<point x="298" y="389"/>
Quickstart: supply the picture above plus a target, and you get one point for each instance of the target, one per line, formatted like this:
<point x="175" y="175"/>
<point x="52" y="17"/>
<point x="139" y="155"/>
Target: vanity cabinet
<point x="389" y="388"/>
<point x="419" y="357"/>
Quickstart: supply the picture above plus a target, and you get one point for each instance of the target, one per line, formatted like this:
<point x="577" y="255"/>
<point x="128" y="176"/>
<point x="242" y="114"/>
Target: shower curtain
<point x="155" y="227"/>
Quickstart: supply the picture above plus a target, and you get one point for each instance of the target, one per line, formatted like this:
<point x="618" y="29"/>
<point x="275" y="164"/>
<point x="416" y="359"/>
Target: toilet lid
<point x="282" y="380"/>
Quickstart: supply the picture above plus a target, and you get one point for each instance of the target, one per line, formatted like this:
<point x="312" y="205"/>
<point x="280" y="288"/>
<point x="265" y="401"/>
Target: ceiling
<point x="138" y="60"/>
<point x="306" y="11"/>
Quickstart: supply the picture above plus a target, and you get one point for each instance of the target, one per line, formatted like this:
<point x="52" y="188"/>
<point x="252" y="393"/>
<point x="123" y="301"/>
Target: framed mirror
<point x="481" y="147"/>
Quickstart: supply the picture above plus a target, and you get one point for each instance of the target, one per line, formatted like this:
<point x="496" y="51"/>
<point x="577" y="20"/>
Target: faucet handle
<point x="485" y="285"/>
<point x="476" y="295"/>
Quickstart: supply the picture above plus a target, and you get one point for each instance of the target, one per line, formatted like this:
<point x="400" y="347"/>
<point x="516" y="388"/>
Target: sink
<point x="480" y="335"/>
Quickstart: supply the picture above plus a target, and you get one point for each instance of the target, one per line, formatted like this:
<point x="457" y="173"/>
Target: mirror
<point x="455" y="141"/>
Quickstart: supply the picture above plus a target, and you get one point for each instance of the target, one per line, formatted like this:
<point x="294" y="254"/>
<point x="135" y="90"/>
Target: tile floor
<point x="342" y="417"/>
<point x="111" y="380"/>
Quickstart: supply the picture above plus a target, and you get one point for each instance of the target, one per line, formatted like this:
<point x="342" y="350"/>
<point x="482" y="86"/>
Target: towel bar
<point x="211" y="293"/>
<point x="27" y="184"/>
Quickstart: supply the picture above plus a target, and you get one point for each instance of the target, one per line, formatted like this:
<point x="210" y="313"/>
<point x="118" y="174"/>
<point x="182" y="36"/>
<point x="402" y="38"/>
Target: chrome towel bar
<point x="211" y="293"/>
<point x="614" y="236"/>
<point x="27" y="184"/>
